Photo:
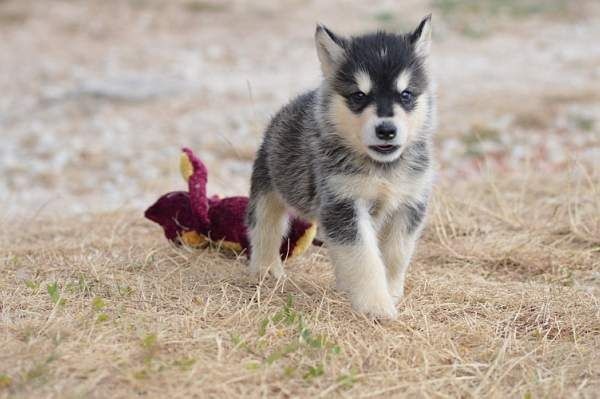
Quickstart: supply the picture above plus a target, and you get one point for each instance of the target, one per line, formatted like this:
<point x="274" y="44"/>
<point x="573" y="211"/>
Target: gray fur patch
<point x="340" y="222"/>
<point x="417" y="157"/>
<point x="260" y="183"/>
<point x="415" y="214"/>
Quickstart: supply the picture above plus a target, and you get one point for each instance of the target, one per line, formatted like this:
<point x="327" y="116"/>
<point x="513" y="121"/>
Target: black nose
<point x="385" y="131"/>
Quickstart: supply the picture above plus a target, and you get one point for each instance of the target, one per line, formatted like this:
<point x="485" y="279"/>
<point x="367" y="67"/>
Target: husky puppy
<point x="355" y="155"/>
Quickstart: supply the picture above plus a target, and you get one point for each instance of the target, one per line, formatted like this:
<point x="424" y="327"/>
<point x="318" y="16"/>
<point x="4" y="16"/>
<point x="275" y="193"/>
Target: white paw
<point x="258" y="269"/>
<point x="254" y="269"/>
<point x="379" y="305"/>
<point x="277" y="270"/>
<point x="397" y="292"/>
<point x="340" y="286"/>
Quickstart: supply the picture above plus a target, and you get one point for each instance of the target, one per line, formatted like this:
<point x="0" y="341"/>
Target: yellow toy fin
<point x="304" y="242"/>
<point x="185" y="166"/>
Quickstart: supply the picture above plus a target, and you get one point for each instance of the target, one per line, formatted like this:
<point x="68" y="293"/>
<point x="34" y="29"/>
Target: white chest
<point x="381" y="194"/>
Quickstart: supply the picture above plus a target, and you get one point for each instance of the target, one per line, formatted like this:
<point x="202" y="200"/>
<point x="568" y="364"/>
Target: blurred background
<point x="98" y="96"/>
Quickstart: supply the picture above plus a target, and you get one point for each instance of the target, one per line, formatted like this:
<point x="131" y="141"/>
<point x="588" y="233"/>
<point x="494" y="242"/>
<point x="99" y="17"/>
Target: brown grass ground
<point x="501" y="301"/>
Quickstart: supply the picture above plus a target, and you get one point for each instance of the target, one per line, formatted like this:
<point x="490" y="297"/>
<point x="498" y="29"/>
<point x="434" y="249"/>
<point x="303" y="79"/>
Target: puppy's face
<point x="379" y="98"/>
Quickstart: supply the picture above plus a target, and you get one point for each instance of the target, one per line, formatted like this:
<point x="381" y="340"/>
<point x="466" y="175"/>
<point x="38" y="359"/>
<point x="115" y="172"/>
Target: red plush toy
<point x="192" y="218"/>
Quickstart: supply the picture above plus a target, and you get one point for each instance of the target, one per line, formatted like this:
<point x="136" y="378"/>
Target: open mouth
<point x="384" y="148"/>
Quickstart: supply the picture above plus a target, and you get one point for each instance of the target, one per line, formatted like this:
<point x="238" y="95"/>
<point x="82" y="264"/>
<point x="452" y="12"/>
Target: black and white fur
<point x="354" y="155"/>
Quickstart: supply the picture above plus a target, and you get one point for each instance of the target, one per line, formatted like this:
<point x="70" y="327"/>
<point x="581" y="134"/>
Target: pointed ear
<point x="330" y="49"/>
<point x="421" y="37"/>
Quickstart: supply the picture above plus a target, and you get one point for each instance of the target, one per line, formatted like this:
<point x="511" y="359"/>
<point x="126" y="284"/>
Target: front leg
<point x="359" y="269"/>
<point x="398" y="239"/>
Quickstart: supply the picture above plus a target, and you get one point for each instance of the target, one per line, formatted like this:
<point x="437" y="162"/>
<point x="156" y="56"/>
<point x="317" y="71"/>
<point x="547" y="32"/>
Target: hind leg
<point x="268" y="224"/>
<point x="267" y="221"/>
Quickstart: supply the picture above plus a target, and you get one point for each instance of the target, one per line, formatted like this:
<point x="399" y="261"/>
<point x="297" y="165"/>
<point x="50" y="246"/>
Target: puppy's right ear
<point x="330" y="49"/>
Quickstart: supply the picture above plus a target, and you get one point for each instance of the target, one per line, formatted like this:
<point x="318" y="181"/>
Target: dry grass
<point x="501" y="302"/>
<point x="501" y="299"/>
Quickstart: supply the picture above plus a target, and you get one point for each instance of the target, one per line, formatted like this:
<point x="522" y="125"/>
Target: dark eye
<point x="407" y="97"/>
<point x="358" y="97"/>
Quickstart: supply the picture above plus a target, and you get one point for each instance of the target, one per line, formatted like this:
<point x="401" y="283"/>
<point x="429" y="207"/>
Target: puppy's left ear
<point x="421" y="37"/>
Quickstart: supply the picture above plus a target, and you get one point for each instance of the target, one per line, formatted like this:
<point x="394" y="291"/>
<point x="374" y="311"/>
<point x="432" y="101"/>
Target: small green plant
<point x="281" y="353"/>
<point x="149" y="344"/>
<point x="316" y="342"/>
<point x="32" y="285"/>
<point x="142" y="374"/>
<point x="347" y="380"/>
<point x="98" y="304"/>
<point x="102" y="317"/>
<point x="54" y="293"/>
<point x="582" y="122"/>
<point x="5" y="381"/>
<point x="81" y="286"/>
<point x="84" y="286"/>
<point x="236" y="339"/>
<point x="252" y="366"/>
<point x="314" y="371"/>
<point x="125" y="291"/>
<point x="289" y="371"/>
<point x="287" y="315"/>
<point x="149" y="341"/>
<point x="36" y="372"/>
<point x="185" y="363"/>
<point x="262" y="328"/>
<point x="39" y="371"/>
<point x="282" y="322"/>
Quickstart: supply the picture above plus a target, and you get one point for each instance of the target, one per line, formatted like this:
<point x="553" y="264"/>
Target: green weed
<point x="55" y="295"/>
